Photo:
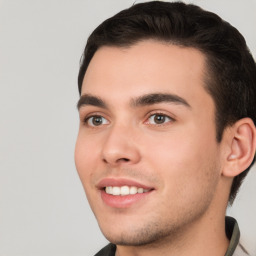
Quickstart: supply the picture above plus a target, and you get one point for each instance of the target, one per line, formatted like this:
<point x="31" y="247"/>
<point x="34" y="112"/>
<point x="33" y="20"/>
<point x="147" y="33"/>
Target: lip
<point x="126" y="201"/>
<point x="106" y="182"/>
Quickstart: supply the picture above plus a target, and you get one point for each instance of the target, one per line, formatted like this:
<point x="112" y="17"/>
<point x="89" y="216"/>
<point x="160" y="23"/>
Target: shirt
<point x="232" y="232"/>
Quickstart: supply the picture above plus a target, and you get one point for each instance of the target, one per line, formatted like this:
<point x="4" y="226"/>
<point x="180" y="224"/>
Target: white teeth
<point x="116" y="191"/>
<point x="124" y="190"/>
<point x="109" y="190"/>
<point x="140" y="190"/>
<point x="133" y="190"/>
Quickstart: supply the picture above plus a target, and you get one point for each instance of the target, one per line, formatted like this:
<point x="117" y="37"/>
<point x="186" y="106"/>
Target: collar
<point x="233" y="234"/>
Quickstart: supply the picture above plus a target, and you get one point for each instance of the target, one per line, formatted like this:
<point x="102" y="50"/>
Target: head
<point x="231" y="70"/>
<point x="166" y="108"/>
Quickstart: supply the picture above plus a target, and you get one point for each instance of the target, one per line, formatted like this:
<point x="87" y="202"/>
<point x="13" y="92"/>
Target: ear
<point x="241" y="147"/>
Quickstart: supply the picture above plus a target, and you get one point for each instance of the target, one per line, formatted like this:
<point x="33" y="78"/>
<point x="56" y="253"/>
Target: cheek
<point x="183" y="156"/>
<point x="189" y="176"/>
<point x="84" y="158"/>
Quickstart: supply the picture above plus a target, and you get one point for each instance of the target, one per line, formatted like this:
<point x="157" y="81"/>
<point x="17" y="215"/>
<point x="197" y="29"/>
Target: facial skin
<point x="168" y="147"/>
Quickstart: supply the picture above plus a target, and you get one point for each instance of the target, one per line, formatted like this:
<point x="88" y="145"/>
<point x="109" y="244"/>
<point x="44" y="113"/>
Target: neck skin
<point x="205" y="236"/>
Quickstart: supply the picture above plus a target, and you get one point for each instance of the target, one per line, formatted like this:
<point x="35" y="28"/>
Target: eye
<point x="96" y="121"/>
<point x="159" y="119"/>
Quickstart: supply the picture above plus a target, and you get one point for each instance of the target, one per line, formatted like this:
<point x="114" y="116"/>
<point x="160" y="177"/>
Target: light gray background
<point x="43" y="210"/>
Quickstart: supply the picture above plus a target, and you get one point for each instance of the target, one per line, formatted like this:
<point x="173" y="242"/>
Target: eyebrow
<point x="88" y="99"/>
<point x="154" y="98"/>
<point x="144" y="100"/>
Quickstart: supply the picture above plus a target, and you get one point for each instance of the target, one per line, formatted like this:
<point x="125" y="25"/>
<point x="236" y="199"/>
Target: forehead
<point x="146" y="67"/>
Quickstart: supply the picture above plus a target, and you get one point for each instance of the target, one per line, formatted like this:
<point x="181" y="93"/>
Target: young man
<point x="167" y="130"/>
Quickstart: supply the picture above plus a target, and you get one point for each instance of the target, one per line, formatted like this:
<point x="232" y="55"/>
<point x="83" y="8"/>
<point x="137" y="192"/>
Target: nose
<point x="120" y="147"/>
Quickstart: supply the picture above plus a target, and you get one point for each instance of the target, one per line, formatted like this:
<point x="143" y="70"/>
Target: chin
<point x="139" y="236"/>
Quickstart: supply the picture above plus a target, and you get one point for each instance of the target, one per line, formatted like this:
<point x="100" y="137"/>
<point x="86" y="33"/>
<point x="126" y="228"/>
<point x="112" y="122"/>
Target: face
<point x="146" y="151"/>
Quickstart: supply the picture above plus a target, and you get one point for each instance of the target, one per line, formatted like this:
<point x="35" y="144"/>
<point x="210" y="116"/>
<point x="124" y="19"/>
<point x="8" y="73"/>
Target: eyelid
<point x="159" y="112"/>
<point x="84" y="117"/>
<point x="87" y="121"/>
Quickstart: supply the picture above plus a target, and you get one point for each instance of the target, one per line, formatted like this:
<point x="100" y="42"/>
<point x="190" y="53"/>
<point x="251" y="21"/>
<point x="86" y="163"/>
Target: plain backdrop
<point x="43" y="209"/>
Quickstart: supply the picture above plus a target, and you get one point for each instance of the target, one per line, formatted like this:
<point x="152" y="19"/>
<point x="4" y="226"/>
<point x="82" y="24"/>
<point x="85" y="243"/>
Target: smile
<point x="124" y="190"/>
<point x="123" y="193"/>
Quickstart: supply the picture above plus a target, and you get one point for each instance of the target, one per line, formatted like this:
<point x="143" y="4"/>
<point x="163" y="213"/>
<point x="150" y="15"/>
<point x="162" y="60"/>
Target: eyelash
<point x="87" y="120"/>
<point x="151" y="115"/>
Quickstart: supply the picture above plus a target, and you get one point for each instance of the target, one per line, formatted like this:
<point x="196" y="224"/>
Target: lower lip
<point x="123" y="201"/>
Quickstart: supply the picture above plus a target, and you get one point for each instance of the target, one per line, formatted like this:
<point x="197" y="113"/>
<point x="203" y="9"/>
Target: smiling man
<point x="167" y="130"/>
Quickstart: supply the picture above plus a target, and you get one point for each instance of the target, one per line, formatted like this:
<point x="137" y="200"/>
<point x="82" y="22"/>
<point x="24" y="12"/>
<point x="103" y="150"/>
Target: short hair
<point x="230" y="76"/>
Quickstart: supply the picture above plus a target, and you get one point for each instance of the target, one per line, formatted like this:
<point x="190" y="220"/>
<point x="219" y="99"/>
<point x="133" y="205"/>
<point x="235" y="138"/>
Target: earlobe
<point x="241" y="148"/>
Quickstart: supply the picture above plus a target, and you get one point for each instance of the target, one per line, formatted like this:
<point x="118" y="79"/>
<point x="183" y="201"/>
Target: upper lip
<point x="119" y="182"/>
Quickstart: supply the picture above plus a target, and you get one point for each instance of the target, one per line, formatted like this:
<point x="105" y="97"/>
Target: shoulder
<point x="108" y="250"/>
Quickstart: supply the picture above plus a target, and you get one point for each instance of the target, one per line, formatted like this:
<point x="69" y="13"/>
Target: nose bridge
<point x="120" y="145"/>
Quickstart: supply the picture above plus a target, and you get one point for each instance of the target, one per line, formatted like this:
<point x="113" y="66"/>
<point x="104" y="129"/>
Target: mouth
<point x="124" y="190"/>
<point x="123" y="193"/>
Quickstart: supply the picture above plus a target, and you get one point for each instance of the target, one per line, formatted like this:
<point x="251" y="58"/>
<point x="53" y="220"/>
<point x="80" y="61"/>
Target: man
<point x="167" y="129"/>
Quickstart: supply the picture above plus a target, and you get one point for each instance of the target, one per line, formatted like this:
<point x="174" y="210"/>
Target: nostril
<point x="124" y="159"/>
<point x="117" y="161"/>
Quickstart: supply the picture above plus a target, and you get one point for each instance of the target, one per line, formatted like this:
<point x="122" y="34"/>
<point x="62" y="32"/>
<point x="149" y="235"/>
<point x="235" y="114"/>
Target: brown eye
<point x="96" y="121"/>
<point x="159" y="119"/>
